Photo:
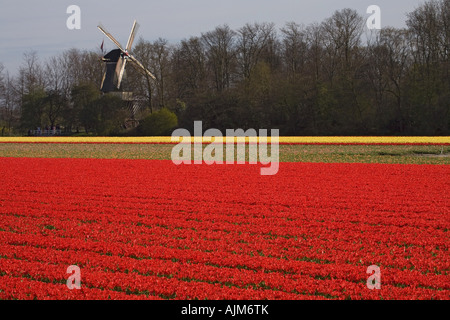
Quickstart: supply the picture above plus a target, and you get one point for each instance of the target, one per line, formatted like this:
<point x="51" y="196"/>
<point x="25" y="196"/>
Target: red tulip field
<point x="149" y="229"/>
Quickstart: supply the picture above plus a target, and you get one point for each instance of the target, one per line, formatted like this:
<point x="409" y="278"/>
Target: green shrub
<point x="160" y="123"/>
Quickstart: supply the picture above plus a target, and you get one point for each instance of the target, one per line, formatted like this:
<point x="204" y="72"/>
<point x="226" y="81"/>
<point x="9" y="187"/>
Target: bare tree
<point x="91" y="67"/>
<point x="389" y="61"/>
<point x="160" y="64"/>
<point x="295" y="48"/>
<point x="220" y="51"/>
<point x="430" y="29"/>
<point x="56" y="76"/>
<point x="30" y="76"/>
<point x="342" y="62"/>
<point x="398" y="63"/>
<point x="9" y="105"/>
<point x="376" y="74"/>
<point x="2" y="99"/>
<point x="2" y="82"/>
<point x="156" y="57"/>
<point x="31" y="72"/>
<point x="342" y="38"/>
<point x="189" y="68"/>
<point x="315" y="53"/>
<point x="252" y="40"/>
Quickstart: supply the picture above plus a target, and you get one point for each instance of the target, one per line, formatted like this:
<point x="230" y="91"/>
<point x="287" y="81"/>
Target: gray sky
<point x="41" y="25"/>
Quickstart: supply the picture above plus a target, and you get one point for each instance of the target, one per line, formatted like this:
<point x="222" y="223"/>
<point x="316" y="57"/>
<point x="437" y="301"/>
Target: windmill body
<point x="114" y="63"/>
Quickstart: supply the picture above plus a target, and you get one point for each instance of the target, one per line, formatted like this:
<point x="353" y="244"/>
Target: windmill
<point x="116" y="60"/>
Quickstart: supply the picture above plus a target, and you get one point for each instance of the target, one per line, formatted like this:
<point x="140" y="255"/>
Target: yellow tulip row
<point x="282" y="140"/>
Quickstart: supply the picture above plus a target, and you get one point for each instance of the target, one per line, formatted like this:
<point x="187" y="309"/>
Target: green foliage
<point x="83" y="97"/>
<point x="159" y="123"/>
<point x="55" y="103"/>
<point x="104" y="115"/>
<point x="32" y="112"/>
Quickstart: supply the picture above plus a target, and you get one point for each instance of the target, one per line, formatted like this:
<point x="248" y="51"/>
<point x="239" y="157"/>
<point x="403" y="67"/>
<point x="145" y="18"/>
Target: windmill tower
<point x="116" y="61"/>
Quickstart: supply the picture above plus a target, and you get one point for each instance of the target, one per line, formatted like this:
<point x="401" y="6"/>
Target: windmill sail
<point x="110" y="37"/>
<point x="132" y="35"/>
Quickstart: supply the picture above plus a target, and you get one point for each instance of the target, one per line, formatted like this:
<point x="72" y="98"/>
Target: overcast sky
<point x="41" y="25"/>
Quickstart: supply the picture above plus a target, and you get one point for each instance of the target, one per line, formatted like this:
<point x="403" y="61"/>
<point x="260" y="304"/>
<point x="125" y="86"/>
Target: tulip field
<point x="145" y="228"/>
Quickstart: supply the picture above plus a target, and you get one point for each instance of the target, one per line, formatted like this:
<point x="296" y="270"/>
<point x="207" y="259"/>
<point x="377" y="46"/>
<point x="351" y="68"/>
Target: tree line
<point x="330" y="78"/>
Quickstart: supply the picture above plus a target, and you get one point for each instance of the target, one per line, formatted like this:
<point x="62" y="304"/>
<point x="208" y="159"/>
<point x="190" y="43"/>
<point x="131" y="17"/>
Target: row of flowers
<point x="288" y="140"/>
<point x="161" y="261"/>
<point x="240" y="248"/>
<point x="163" y="279"/>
